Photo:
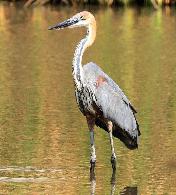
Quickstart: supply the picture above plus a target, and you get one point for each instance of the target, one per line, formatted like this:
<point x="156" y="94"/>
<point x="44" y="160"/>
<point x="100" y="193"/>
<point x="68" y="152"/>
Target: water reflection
<point x="113" y="181"/>
<point x="93" y="181"/>
<point x="126" y="191"/>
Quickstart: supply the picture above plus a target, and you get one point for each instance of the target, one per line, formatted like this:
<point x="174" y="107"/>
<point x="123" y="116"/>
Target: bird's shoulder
<point x="91" y="71"/>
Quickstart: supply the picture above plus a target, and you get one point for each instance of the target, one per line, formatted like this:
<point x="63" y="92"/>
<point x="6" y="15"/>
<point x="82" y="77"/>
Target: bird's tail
<point x="129" y="141"/>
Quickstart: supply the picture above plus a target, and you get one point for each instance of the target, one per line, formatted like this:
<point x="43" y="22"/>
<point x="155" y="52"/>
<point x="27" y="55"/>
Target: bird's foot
<point x="92" y="163"/>
<point x="92" y="166"/>
<point x="113" y="161"/>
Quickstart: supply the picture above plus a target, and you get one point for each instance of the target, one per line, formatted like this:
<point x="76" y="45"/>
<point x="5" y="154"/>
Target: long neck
<point x="77" y="69"/>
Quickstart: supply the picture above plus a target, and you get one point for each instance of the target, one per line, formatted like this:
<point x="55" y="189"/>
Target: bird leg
<point x="91" y="124"/>
<point x="113" y="156"/>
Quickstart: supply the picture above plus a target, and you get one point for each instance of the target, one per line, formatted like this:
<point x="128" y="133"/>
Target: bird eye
<point x="82" y="18"/>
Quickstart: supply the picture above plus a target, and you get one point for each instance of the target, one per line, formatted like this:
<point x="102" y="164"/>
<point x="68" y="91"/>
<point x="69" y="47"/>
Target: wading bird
<point x="99" y="98"/>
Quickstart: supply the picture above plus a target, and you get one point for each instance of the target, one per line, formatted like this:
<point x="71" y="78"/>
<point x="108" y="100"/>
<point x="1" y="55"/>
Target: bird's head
<point x="83" y="18"/>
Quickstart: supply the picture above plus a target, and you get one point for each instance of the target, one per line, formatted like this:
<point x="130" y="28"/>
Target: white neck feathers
<point x="77" y="69"/>
<point x="77" y="63"/>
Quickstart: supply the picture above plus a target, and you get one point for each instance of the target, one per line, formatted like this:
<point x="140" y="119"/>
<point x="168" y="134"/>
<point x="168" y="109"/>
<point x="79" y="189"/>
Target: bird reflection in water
<point x="126" y="191"/>
<point x="93" y="180"/>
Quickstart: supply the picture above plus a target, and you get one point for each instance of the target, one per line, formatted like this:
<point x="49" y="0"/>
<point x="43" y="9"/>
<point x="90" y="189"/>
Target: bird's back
<point x="114" y="105"/>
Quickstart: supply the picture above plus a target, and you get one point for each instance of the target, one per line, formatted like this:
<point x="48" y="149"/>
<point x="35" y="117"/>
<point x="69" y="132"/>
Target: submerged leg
<point x="91" y="124"/>
<point x="113" y="156"/>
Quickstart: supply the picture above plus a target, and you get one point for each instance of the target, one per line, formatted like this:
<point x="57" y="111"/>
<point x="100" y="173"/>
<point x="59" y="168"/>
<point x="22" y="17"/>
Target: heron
<point x="99" y="98"/>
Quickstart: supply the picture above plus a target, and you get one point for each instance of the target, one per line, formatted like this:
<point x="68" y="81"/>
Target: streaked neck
<point x="77" y="69"/>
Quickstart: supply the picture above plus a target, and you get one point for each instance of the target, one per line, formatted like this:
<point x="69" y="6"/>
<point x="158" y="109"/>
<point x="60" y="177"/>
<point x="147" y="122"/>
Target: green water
<point x="44" y="139"/>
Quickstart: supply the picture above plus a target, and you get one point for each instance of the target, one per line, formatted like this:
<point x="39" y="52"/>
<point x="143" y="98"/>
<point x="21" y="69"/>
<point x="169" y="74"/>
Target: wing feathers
<point x="115" y="109"/>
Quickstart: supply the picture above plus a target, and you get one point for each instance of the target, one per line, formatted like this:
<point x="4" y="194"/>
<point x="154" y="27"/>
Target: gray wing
<point x="111" y="100"/>
<point x="92" y="71"/>
<point x="119" y="91"/>
<point x="115" y="109"/>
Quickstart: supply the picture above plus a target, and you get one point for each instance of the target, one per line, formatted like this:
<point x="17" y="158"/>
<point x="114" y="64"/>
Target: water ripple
<point x="24" y="179"/>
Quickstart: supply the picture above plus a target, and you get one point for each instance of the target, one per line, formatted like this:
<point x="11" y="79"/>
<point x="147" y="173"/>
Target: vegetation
<point x="155" y="3"/>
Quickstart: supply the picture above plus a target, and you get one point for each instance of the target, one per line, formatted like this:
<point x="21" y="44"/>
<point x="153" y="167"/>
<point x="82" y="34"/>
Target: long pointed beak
<point x="64" y="24"/>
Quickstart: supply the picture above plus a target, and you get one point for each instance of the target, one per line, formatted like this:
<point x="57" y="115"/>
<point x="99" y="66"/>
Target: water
<point x="44" y="139"/>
